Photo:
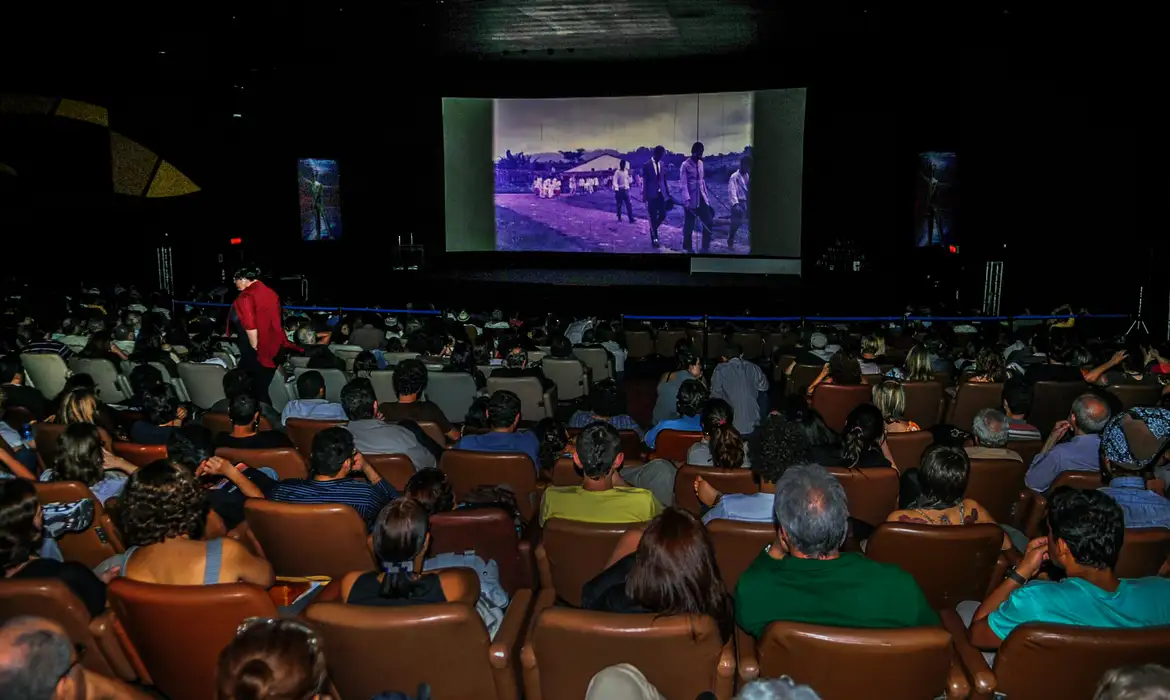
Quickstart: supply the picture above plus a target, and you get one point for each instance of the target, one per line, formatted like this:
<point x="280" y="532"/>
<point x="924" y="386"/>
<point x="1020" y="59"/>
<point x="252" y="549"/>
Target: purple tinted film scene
<point x="935" y="198"/>
<point x="581" y="174"/>
<point x="320" y="194"/>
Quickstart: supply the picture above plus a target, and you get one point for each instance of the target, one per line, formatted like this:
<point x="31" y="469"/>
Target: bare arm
<point x="980" y="633"/>
<point x="14" y="466"/>
<point x="1094" y="375"/>
<point x="98" y="687"/>
<point x="221" y="467"/>
<point x="627" y="544"/>
<point x="248" y="567"/>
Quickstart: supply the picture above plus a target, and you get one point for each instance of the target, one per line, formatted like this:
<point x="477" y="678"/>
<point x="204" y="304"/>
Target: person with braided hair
<point x="863" y="442"/>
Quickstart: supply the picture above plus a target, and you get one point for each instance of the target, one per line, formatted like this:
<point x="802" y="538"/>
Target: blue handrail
<point x="362" y="309"/>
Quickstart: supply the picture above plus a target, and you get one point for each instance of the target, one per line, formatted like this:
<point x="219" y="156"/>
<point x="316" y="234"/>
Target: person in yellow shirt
<point x="603" y="496"/>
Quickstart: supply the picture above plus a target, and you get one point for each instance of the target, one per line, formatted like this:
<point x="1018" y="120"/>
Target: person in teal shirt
<point x="1085" y="533"/>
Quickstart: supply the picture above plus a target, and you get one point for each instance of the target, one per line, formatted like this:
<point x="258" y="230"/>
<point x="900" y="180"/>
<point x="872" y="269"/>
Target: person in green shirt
<point x="805" y="577"/>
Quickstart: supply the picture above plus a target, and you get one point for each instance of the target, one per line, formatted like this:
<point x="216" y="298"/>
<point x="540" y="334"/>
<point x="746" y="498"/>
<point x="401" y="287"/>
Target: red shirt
<point x="258" y="309"/>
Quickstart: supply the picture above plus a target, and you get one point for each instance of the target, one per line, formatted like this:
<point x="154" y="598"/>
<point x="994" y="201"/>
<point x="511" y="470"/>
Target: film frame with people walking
<point x="624" y="174"/>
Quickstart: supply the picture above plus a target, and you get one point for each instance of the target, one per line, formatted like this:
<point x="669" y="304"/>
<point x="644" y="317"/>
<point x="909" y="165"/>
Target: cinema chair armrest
<point x="545" y="598"/>
<point x="958" y="688"/>
<point x="506" y="646"/>
<point x="975" y="666"/>
<point x="527" y="565"/>
<point x="725" y="671"/>
<point x="1022" y="509"/>
<point x="1036" y="514"/>
<point x="747" y="660"/>
<point x="102" y="629"/>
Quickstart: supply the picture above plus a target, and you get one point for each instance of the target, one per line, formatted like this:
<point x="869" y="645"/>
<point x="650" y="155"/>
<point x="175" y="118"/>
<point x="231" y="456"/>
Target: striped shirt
<point x="50" y="346"/>
<point x="1021" y="430"/>
<point x="368" y="500"/>
<point x="580" y="419"/>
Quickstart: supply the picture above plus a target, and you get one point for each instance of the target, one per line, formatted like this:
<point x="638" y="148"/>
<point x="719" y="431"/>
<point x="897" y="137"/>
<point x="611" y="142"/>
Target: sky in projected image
<point x="722" y="121"/>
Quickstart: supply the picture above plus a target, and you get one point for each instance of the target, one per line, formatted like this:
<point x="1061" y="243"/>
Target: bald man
<point x="38" y="662"/>
<point x="1085" y="422"/>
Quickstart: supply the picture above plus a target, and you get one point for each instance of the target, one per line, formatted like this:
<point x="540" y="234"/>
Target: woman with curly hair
<point x="21" y="535"/>
<point x="989" y="367"/>
<point x="81" y="457"/>
<point x="162" y="522"/>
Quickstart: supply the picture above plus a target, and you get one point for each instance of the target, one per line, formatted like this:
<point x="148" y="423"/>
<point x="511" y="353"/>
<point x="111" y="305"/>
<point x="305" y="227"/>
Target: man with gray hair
<point x="1089" y="415"/>
<point x="38" y="662"/>
<point x="991" y="436"/>
<point x="803" y="576"/>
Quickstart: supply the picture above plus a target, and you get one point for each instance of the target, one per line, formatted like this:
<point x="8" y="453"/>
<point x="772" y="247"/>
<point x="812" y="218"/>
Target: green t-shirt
<point x="1137" y="602"/>
<point x="849" y="591"/>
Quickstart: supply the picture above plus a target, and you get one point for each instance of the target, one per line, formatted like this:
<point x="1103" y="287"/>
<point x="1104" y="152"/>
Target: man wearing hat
<point x="1133" y="446"/>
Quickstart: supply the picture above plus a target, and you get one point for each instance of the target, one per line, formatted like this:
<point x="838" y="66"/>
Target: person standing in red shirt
<point x="255" y="319"/>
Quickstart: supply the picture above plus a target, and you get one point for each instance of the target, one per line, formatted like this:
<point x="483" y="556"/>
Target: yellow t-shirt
<point x="621" y="504"/>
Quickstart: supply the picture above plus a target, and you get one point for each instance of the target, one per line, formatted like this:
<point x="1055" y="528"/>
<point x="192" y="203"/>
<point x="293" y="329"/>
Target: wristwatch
<point x="1015" y="576"/>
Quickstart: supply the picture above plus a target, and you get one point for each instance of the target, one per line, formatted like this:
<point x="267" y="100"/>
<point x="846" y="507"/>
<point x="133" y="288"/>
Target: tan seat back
<point x="673" y="444"/>
<point x="452" y="392"/>
<point x="1143" y="553"/>
<point x="1062" y="661"/>
<point x="111" y="387"/>
<point x="568" y="375"/>
<point x="93" y="545"/>
<point x="665" y="341"/>
<point x="950" y="563"/>
<point x="140" y="455"/>
<point x="468" y="469"/>
<point x="46" y="371"/>
<point x="835" y="402"/>
<point x="680" y="654"/>
<point x="335" y="381"/>
<point x="491" y="534"/>
<point x="845" y="663"/>
<point x="177" y="632"/>
<point x="639" y="344"/>
<point x="535" y="404"/>
<point x="737" y="544"/>
<point x="204" y="383"/>
<point x="924" y="403"/>
<point x="724" y="480"/>
<point x="907" y="448"/>
<point x="996" y="484"/>
<point x="597" y="360"/>
<point x="872" y="492"/>
<point x="286" y="461"/>
<point x="1052" y="402"/>
<point x="1133" y="395"/>
<point x="302" y="431"/>
<point x="572" y="552"/>
<point x="300" y="539"/>
<point x="801" y="377"/>
<point x="51" y="599"/>
<point x="971" y="398"/>
<point x="397" y="469"/>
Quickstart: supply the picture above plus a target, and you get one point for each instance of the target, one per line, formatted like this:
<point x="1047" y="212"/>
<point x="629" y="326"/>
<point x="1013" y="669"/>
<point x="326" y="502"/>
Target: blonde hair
<point x="79" y="406"/>
<point x="890" y="398"/>
<point x="918" y="366"/>
<point x="871" y="345"/>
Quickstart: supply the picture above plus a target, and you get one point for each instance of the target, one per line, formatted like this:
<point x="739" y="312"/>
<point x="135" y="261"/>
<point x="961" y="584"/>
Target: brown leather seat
<point x="1052" y="402"/>
<point x="752" y="344"/>
<point x="639" y="344"/>
<point x="673" y="444"/>
<point x="371" y="649"/>
<point x="565" y="472"/>
<point x="835" y="401"/>
<point x="950" y="563"/>
<point x="491" y="533"/>
<point x="924" y="403"/>
<point x="996" y="484"/>
<point x="18" y="416"/>
<point x="571" y="553"/>
<point x="716" y="345"/>
<point x="801" y="377"/>
<point x="907" y="448"/>
<point x="665" y="341"/>
<point x="302" y="431"/>
<point x="397" y="469"/>
<point x="1026" y="449"/>
<point x="140" y="455"/>
<point x="971" y="398"/>
<point x="843" y="663"/>
<point x="682" y="655"/>
<point x="724" y="480"/>
<point x="433" y="431"/>
<point x="631" y="442"/>
<point x="222" y="423"/>
<point x="872" y="492"/>
<point x="46" y="435"/>
<point x="1133" y="395"/>
<point x="737" y="544"/>
<point x="288" y="463"/>
<point x="468" y="469"/>
<point x="1035" y="505"/>
<point x="1143" y="553"/>
<point x="51" y="599"/>
<point x="93" y="545"/>
<point x="300" y="539"/>
<point x="177" y="632"/>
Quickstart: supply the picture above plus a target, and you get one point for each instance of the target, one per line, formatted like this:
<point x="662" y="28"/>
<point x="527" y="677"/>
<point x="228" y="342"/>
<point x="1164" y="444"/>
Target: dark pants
<point x="705" y="215"/>
<point x="739" y="217"/>
<point x="423" y="439"/>
<point x="624" y="196"/>
<point x="259" y="378"/>
<point x="656" y="210"/>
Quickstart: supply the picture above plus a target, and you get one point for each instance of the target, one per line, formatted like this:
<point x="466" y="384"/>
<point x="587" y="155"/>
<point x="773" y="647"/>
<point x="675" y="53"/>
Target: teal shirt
<point x="849" y="591"/>
<point x="1137" y="602"/>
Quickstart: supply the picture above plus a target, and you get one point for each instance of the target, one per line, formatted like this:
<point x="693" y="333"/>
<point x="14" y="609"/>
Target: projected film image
<point x="934" y="201"/>
<point x="617" y="175"/>
<point x="320" y="189"/>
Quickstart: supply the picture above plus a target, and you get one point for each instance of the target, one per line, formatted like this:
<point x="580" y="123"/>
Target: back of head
<point x="516" y="358"/>
<point x="271" y="660"/>
<point x="588" y="337"/>
<point x="332" y="448"/>
<point x="1090" y="523"/>
<point x="79" y="454"/>
<point x="918" y="365"/>
<point x="890" y="399"/>
<point x="598" y="447"/>
<point x="78" y="406"/>
<point x="812" y="510"/>
<point x="400" y="535"/>
<point x="685" y="355"/>
<point x="864" y="428"/>
<point x="778" y="444"/>
<point x="190" y="446"/>
<point x="410" y="378"/>
<point x="844" y="368"/>
<point x="1017" y="393"/>
<point x="477" y="413"/>
<point x="358" y="399"/>
<point x="991" y="427"/>
<point x="161" y="502"/>
<point x="10" y="367"/>
<point x="989" y="363"/>
<point x="243" y="409"/>
<point x="35" y="654"/>
<point x="605" y="400"/>
<point x="942" y="476"/>
<point x="431" y="489"/>
<point x="20" y="537"/>
<point x="160" y="404"/>
<point x="503" y="409"/>
<point x="365" y="363"/>
<point x="310" y="385"/>
<point x="247" y="271"/>
<point x="1091" y="413"/>
<point x="1148" y="682"/>
<point x="692" y="394"/>
<point x="560" y="347"/>
<point x="870" y="345"/>
<point x="235" y="382"/>
<point x="143" y="378"/>
<point x="305" y="336"/>
<point x="732" y="350"/>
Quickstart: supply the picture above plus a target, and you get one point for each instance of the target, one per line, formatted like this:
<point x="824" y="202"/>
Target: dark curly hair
<point x="1090" y="523"/>
<point x="844" y="368"/>
<point x="161" y="502"/>
<point x="777" y="445"/>
<point x="691" y="397"/>
<point x="19" y="534"/>
<point x="79" y="454"/>
<point x="410" y="377"/>
<point x="432" y="490"/>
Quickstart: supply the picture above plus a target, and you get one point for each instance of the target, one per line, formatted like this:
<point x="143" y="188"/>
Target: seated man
<point x="991" y="436"/>
<point x="191" y="448"/>
<point x="1017" y="404"/>
<point x="236" y="382"/>
<point x="375" y="436"/>
<point x="313" y="404"/>
<point x="781" y="444"/>
<point x="805" y="577"/>
<point x="332" y="469"/>
<point x="516" y="365"/>
<point x="246" y="433"/>
<point x="1132" y="444"/>
<point x="1088" y="417"/>
<point x="315" y="346"/>
<point x="163" y="414"/>
<point x="602" y="496"/>
<point x="1085" y="532"/>
<point x="503" y="417"/>
<point x="691" y="397"/>
<point x="410" y="379"/>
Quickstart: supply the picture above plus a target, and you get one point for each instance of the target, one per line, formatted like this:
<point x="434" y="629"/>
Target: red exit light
<point x="953" y="249"/>
<point x="237" y="241"/>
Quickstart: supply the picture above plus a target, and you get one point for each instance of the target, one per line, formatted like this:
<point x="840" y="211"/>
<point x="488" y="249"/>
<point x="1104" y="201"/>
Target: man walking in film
<point x="654" y="192"/>
<point x="737" y="192"/>
<point x="696" y="202"/>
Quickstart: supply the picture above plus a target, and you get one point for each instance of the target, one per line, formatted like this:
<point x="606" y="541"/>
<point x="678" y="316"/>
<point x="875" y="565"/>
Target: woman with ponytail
<point x="401" y="537"/>
<point x="863" y="442"/>
<point x="272" y="660"/>
<point x="722" y="446"/>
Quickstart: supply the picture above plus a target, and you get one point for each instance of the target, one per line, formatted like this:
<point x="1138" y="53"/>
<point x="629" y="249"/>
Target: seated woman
<point x="667" y="569"/>
<point x="430" y="489"/>
<point x="272" y="659"/>
<point x="780" y="444"/>
<point x="101" y="347"/>
<point x="863" y="442"/>
<point x="463" y="360"/>
<point x="890" y="399"/>
<point x="918" y="367"/>
<point x="200" y="352"/>
<point x="163" y="414"/>
<point x="722" y="446"/>
<point x="817" y="434"/>
<point x="942" y="480"/>
<point x="81" y="457"/>
<point x="401" y="536"/>
<point x="151" y="346"/>
<point x="842" y="368"/>
<point x="1131" y="369"/>
<point x="162" y="514"/>
<point x="690" y="366"/>
<point x="691" y="396"/>
<point x="873" y="350"/>
<point x="365" y="364"/>
<point x="554" y="442"/>
<point x="989" y="367"/>
<point x="21" y="535"/>
<point x="607" y="404"/>
<point x="79" y="403"/>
